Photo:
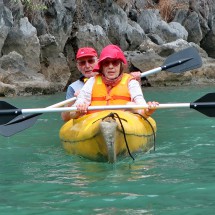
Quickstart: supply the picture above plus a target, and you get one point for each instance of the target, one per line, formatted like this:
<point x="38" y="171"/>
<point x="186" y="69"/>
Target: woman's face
<point x="111" y="68"/>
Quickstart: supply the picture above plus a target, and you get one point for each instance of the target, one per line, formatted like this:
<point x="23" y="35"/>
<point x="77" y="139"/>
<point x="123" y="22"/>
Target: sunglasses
<point x="89" y="61"/>
<point x="113" y="62"/>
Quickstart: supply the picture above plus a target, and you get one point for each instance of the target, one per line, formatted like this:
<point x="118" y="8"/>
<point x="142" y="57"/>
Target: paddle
<point x="21" y="122"/>
<point x="205" y="105"/>
<point x="184" y="60"/>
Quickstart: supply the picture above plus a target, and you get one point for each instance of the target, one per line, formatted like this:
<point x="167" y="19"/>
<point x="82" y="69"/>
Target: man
<point x="86" y="59"/>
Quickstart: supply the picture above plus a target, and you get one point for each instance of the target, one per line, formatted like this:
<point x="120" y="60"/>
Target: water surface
<point x="38" y="177"/>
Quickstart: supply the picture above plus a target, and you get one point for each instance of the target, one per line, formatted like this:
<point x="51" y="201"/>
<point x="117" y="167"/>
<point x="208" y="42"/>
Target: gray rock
<point x="5" y="24"/>
<point x="13" y="61"/>
<point x="23" y="39"/>
<point x="38" y="47"/>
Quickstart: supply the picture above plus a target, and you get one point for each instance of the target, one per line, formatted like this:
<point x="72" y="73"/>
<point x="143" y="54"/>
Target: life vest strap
<point x="107" y="98"/>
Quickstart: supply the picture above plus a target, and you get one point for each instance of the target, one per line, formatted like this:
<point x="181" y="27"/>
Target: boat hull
<point x="104" y="137"/>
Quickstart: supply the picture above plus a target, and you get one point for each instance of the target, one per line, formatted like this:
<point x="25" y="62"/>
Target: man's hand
<point x="77" y="93"/>
<point x="137" y="76"/>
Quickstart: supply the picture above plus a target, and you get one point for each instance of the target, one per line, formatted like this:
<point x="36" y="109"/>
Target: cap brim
<point x="86" y="55"/>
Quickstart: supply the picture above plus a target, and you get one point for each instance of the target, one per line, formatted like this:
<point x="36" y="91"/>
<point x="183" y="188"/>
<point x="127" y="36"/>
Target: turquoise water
<point x="38" y="177"/>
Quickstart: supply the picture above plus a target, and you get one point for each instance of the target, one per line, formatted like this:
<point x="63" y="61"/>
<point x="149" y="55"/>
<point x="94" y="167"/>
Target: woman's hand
<point x="81" y="110"/>
<point x="151" y="108"/>
<point x="148" y="111"/>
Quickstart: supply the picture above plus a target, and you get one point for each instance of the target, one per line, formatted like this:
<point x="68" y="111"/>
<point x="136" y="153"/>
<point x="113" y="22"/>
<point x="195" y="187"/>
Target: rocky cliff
<point x="39" y="39"/>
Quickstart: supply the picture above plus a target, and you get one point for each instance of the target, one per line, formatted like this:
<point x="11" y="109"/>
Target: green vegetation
<point x="33" y="5"/>
<point x="31" y="8"/>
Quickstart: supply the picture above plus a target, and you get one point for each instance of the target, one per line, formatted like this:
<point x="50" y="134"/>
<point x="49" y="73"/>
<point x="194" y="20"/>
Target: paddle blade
<point x="210" y="97"/>
<point x="6" y="118"/>
<point x="18" y="124"/>
<point x="184" y="60"/>
<point x="205" y="105"/>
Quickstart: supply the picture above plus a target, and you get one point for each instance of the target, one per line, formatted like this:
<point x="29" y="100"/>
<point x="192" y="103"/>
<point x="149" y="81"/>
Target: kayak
<point x="107" y="136"/>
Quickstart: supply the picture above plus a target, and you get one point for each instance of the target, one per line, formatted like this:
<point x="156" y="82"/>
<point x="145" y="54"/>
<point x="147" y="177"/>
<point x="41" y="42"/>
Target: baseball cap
<point x="110" y="52"/>
<point x="85" y="52"/>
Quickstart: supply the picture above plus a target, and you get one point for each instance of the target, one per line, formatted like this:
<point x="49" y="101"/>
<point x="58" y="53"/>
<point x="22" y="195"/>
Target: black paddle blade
<point x="22" y="118"/>
<point x="184" y="60"/>
<point x="18" y="124"/>
<point x="6" y="118"/>
<point x="205" y="105"/>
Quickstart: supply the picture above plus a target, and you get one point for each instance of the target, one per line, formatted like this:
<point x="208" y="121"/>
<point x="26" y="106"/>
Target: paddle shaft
<point x="110" y="107"/>
<point x="164" y="67"/>
<point x="19" y="121"/>
<point x="59" y="104"/>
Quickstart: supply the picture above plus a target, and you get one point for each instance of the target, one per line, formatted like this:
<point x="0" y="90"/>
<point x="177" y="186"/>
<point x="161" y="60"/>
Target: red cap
<point x="111" y="52"/>
<point x="85" y="52"/>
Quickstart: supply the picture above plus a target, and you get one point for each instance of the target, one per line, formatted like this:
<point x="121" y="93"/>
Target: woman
<point x="111" y="86"/>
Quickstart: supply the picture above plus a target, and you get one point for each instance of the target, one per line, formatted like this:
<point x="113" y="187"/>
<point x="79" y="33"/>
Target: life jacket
<point x="118" y="95"/>
<point x="83" y="79"/>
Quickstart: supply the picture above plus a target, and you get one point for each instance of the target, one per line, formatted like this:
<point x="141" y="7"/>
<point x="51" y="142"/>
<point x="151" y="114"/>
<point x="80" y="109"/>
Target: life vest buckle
<point x="108" y="98"/>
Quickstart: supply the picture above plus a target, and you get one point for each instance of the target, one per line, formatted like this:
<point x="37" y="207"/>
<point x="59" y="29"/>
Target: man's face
<point x="85" y="65"/>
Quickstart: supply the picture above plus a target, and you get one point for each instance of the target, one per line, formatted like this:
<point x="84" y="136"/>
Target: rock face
<point x="38" y="46"/>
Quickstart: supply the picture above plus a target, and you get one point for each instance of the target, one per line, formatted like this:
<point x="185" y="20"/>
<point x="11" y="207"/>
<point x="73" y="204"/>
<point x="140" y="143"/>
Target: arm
<point x="69" y="94"/>
<point x="136" y="92"/>
<point x="72" y="91"/>
<point x="83" y="99"/>
<point x="66" y="115"/>
<point x="138" y="98"/>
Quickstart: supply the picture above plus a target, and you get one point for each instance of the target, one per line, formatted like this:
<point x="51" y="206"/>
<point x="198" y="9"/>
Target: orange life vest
<point x="118" y="95"/>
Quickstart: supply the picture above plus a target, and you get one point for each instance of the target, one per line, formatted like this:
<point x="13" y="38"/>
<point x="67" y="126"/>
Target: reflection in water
<point x="82" y="173"/>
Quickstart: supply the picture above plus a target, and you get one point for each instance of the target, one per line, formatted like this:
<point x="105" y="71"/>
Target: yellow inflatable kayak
<point x="107" y="135"/>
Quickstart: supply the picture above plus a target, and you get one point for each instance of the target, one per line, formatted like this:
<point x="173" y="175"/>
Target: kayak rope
<point x="150" y="126"/>
<point x="107" y="117"/>
<point x="113" y="116"/>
